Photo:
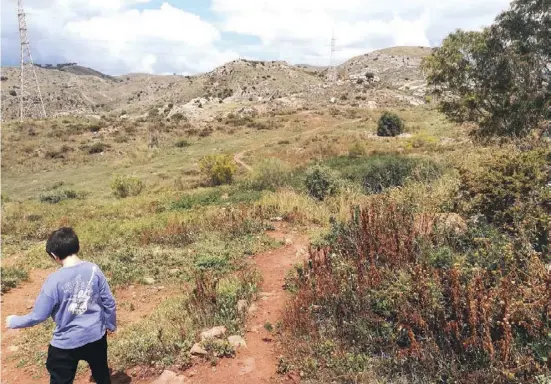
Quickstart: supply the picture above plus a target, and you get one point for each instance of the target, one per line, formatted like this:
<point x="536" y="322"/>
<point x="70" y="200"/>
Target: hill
<point x="388" y="77"/>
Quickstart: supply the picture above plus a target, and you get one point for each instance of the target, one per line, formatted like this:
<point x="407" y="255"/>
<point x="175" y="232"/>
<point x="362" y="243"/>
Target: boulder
<point x="242" y="306"/>
<point x="169" y="377"/>
<point x="197" y="350"/>
<point x="237" y="341"/>
<point x="149" y="280"/>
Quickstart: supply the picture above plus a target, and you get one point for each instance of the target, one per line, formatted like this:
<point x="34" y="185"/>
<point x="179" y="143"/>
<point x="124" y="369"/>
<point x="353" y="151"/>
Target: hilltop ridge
<point x="386" y="77"/>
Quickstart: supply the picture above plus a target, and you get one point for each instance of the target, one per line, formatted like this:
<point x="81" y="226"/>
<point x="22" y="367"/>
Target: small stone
<point x="253" y="308"/>
<point x="13" y="348"/>
<point x="197" y="350"/>
<point x="30" y="306"/>
<point x="173" y="271"/>
<point x="236" y="341"/>
<point x="218" y="331"/>
<point x="169" y="377"/>
<point x="242" y="306"/>
<point x="276" y="218"/>
<point x="149" y="280"/>
<point x="288" y="241"/>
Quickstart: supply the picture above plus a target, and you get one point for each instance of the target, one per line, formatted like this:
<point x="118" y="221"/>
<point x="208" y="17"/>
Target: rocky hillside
<point x="380" y="78"/>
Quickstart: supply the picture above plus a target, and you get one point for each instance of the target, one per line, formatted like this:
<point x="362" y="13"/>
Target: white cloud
<point x="303" y="28"/>
<point x="120" y="36"/>
<point x="115" y="37"/>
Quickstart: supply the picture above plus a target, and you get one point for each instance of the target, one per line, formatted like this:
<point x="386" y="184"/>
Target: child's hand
<point x="8" y="318"/>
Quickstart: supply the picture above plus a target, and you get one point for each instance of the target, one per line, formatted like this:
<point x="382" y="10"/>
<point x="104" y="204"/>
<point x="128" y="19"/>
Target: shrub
<point x="182" y="143"/>
<point x="126" y="186"/>
<point x="372" y="295"/>
<point x="357" y="150"/>
<point x="3" y="78"/>
<point x="97" y="148"/>
<point x="377" y="173"/>
<point x="219" y="169"/>
<point x="57" y="195"/>
<point x="12" y="92"/>
<point x="321" y="182"/>
<point x="511" y="191"/>
<point x="390" y="124"/>
<point x="178" y="117"/>
<point x="270" y="174"/>
<point x="11" y="277"/>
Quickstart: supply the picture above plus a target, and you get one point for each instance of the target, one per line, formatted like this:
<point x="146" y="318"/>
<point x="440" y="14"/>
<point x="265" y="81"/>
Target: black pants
<point x="62" y="363"/>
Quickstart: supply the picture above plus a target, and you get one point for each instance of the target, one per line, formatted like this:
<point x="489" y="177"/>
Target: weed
<point x="57" y="195"/>
<point x="270" y="174"/>
<point x="126" y="186"/>
<point x="11" y="277"/>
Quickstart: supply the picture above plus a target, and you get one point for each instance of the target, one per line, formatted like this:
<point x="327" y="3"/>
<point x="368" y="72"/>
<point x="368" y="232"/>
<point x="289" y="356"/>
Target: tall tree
<point x="498" y="78"/>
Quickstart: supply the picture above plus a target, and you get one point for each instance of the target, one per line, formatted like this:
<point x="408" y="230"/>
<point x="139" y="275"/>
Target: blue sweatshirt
<point x="79" y="301"/>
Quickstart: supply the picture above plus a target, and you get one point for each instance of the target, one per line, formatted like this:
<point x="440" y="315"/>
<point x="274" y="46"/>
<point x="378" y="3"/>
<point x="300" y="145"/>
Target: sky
<point x="194" y="36"/>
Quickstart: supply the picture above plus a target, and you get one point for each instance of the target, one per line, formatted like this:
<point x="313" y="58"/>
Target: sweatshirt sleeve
<point x="43" y="308"/>
<point x="108" y="303"/>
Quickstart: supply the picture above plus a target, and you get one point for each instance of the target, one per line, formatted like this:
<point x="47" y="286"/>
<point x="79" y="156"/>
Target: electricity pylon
<point x="30" y="98"/>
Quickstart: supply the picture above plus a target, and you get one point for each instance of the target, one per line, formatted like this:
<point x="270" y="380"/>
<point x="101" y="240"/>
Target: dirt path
<point x="18" y="301"/>
<point x="257" y="362"/>
<point x="238" y="159"/>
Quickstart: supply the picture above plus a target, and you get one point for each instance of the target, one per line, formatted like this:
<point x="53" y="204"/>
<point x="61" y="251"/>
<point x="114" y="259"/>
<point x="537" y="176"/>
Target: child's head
<point x="62" y="243"/>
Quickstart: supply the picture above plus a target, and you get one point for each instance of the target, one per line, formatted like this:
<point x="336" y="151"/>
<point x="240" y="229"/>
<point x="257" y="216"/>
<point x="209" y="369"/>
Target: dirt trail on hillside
<point x="257" y="362"/>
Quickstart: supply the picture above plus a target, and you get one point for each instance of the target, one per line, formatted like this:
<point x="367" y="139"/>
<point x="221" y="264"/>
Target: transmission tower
<point x="332" y="72"/>
<point x="30" y="98"/>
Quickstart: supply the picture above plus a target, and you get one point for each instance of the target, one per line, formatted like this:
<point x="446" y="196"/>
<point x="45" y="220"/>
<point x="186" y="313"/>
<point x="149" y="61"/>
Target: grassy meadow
<point x="377" y="209"/>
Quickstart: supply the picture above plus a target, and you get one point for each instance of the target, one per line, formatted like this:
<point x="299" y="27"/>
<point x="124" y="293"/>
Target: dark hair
<point x="62" y="243"/>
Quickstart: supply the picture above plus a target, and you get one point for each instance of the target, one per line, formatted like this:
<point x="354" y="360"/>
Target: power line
<point x="30" y="98"/>
<point x="332" y="71"/>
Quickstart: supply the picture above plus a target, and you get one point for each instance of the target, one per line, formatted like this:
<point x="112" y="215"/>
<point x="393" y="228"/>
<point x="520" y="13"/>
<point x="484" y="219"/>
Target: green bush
<point x="511" y="192"/>
<point x="215" y="197"/>
<point x="270" y="174"/>
<point x="11" y="277"/>
<point x="321" y="182"/>
<point x="219" y="169"/>
<point x="126" y="186"/>
<point x="377" y="173"/>
<point x="357" y="150"/>
<point x="57" y="195"/>
<point x="188" y="201"/>
<point x="390" y="124"/>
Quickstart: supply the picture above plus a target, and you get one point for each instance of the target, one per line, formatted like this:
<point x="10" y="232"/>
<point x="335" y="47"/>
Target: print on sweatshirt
<point x="82" y="294"/>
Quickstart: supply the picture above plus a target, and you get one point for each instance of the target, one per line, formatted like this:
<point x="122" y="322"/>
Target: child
<point x="79" y="300"/>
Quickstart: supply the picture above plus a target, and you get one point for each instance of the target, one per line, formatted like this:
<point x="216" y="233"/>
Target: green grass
<point x="11" y="277"/>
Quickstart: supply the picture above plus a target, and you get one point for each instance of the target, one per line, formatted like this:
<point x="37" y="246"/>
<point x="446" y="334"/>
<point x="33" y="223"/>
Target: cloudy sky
<point x="190" y="36"/>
